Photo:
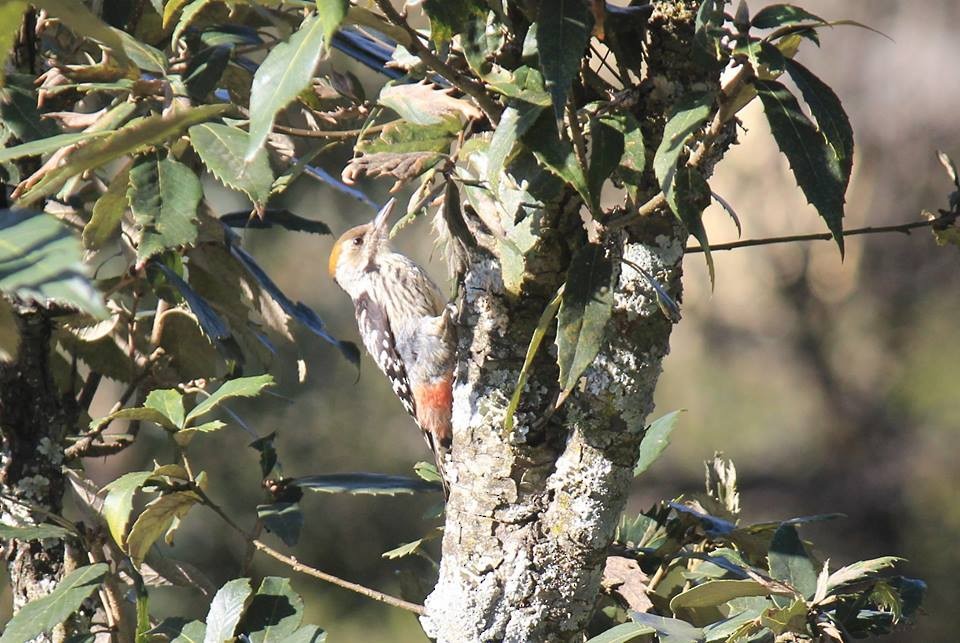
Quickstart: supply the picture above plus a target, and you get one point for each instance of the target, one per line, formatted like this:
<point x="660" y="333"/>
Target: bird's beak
<point x="383" y="216"/>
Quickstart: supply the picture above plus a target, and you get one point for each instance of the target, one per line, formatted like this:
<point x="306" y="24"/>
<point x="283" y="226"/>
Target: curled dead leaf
<point x="402" y="166"/>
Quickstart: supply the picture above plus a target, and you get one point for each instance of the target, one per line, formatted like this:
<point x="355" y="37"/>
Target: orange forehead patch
<point x="334" y="258"/>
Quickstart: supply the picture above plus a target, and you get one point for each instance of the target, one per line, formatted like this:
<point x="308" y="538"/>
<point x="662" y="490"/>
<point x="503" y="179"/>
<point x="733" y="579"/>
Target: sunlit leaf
<point x="46" y="145"/>
<point x="861" y="570"/>
<point x="169" y="402"/>
<point x="226" y="609"/>
<point x="43" y="614"/>
<point x="180" y="630"/>
<point x="155" y="519"/>
<point x="669" y="630"/>
<point x="239" y="387"/>
<point x="373" y="484"/>
<point x="624" y="633"/>
<point x="222" y="149"/>
<point x="108" y="212"/>
<point x="119" y="501"/>
<point x="274" y="613"/>
<point x="716" y="592"/>
<point x="656" y="438"/>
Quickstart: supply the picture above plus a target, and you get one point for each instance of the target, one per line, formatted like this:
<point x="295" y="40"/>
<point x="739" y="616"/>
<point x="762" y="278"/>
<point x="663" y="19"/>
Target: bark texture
<point x="34" y="417"/>
<point x="531" y="514"/>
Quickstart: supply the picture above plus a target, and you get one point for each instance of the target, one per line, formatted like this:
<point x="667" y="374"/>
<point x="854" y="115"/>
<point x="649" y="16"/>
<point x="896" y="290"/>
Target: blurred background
<point x="832" y="385"/>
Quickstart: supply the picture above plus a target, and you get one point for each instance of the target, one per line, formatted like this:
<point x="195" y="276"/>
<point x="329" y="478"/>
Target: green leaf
<point x="239" y="387"/>
<point x="331" y="13"/>
<point x="155" y="519"/>
<point x="516" y="119"/>
<point x="136" y="135"/>
<point x="688" y="197"/>
<point x="722" y="631"/>
<point x="563" y="30"/>
<point x="225" y="610"/>
<point x="32" y="532"/>
<point x="557" y="156"/>
<point x="546" y="318"/>
<point x="283" y="519"/>
<point x="181" y="630"/>
<point x="274" y="613"/>
<point x="46" y="145"/>
<point x="119" y="501"/>
<point x="84" y="23"/>
<point x="633" y="162"/>
<point x="451" y="17"/>
<point x="184" y="436"/>
<point x="40" y="260"/>
<point x="790" y="618"/>
<point x="11" y="17"/>
<point x="18" y="109"/>
<point x="815" y="165"/>
<point x="43" y="614"/>
<point x="9" y="333"/>
<point x="427" y="471"/>
<point x="108" y="213"/>
<point x="688" y="116"/>
<point x="372" y="484"/>
<point x="859" y="571"/>
<point x="164" y="195"/>
<point x="187" y="16"/>
<point x="782" y="15"/>
<point x="400" y="137"/>
<point x="221" y="148"/>
<point x="138" y="413"/>
<point x="669" y="630"/>
<point x="790" y="563"/>
<point x="717" y="592"/>
<point x="169" y="402"/>
<point x="623" y="633"/>
<point x="655" y="439"/>
<point x="286" y="71"/>
<point x="606" y="149"/>
<point x="584" y="312"/>
<point x="828" y="111"/>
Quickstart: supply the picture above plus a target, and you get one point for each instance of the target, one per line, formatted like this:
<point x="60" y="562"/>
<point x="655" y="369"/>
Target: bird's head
<point x="357" y="248"/>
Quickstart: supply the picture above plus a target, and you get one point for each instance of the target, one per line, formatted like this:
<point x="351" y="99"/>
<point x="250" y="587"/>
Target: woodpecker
<point x="404" y="325"/>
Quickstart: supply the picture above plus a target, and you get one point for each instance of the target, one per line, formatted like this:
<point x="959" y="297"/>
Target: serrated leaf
<point x="270" y="218"/>
<point x="134" y="136"/>
<point x="557" y="155"/>
<point x="623" y="633"/>
<point x="226" y="609"/>
<point x="546" y="319"/>
<point x="688" y="196"/>
<point x="108" y="213"/>
<point x="717" y="592"/>
<point x="861" y="570"/>
<point x="373" y="484"/>
<point x="274" y="613"/>
<point x="790" y="563"/>
<point x="563" y="30"/>
<point x="401" y="136"/>
<point x="46" y="145"/>
<point x="43" y="614"/>
<point x="286" y="71"/>
<point x="40" y="260"/>
<point x="183" y="437"/>
<point x="782" y="15"/>
<point x="815" y="165"/>
<point x="829" y="114"/>
<point x="283" y="519"/>
<point x="239" y="387"/>
<point x="119" y="502"/>
<point x="426" y="104"/>
<point x="222" y="149"/>
<point x="451" y="17"/>
<point x="155" y="519"/>
<point x="585" y="309"/>
<point x="688" y="116"/>
<point x="655" y="439"/>
<point x="164" y="195"/>
<point x="32" y="532"/>
<point x="409" y="548"/>
<point x="169" y="402"/>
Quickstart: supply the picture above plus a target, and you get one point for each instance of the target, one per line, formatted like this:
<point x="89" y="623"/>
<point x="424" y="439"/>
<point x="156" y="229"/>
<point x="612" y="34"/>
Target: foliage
<point x="514" y="108"/>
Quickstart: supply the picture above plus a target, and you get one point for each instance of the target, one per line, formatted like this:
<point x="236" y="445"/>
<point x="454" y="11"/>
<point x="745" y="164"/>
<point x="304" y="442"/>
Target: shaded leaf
<point x="669" y="630"/>
<point x="782" y="15"/>
<point x="516" y="119"/>
<point x="557" y="156"/>
<point x="211" y="323"/>
<point x="134" y="136"/>
<point x="164" y="195"/>
<point x="225" y="610"/>
<point x="119" y="501"/>
<point x="274" y="613"/>
<point x="283" y="519"/>
<point x="43" y="614"/>
<point x="623" y="633"/>
<point x="563" y="30"/>
<point x="18" y="109"/>
<point x="688" y="116"/>
<point x="239" y="387"/>
<point x="656" y="438"/>
<point x="451" y="17"/>
<point x="790" y="563"/>
<point x="815" y="165"/>
<point x="285" y="72"/>
<point x="717" y="592"/>
<point x="108" y="213"/>
<point x="32" y="532"/>
<point x="606" y="149"/>
<point x="9" y="332"/>
<point x="169" y="402"/>
<point x="374" y="484"/>
<point x="270" y="218"/>
<point x="688" y="196"/>
<point x="585" y="308"/>
<point x="40" y="260"/>
<point x="180" y="630"/>
<point x="11" y="17"/>
<point x="84" y="23"/>
<point x="139" y="413"/>
<point x="46" y="145"/>
<point x="155" y="519"/>
<point x="546" y="319"/>
<point x="222" y="149"/>
<point x="862" y="570"/>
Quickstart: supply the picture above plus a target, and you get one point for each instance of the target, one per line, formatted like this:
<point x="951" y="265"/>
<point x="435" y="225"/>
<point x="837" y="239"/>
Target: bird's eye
<point x="358" y="241"/>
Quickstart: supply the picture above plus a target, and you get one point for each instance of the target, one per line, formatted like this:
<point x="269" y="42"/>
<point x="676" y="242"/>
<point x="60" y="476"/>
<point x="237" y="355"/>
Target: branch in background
<point x="945" y="219"/>
<point x="297" y="566"/>
<point x="469" y="87"/>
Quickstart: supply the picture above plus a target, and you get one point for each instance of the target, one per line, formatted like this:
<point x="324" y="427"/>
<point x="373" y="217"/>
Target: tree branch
<point x="944" y="220"/>
<point x="469" y="87"/>
<point x="297" y="566"/>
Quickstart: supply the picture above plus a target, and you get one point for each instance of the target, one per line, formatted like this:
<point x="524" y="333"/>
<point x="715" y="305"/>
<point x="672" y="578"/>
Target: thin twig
<point x="469" y="87"/>
<point x="297" y="566"/>
<point x="319" y="133"/>
<point x="945" y="219"/>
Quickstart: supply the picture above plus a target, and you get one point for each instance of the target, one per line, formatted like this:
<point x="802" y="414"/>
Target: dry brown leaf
<point x="403" y="166"/>
<point x="623" y="577"/>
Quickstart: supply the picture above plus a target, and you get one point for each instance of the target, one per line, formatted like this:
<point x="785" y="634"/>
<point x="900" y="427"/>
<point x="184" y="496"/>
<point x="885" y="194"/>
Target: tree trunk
<point x="531" y="515"/>
<point x="34" y="418"/>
